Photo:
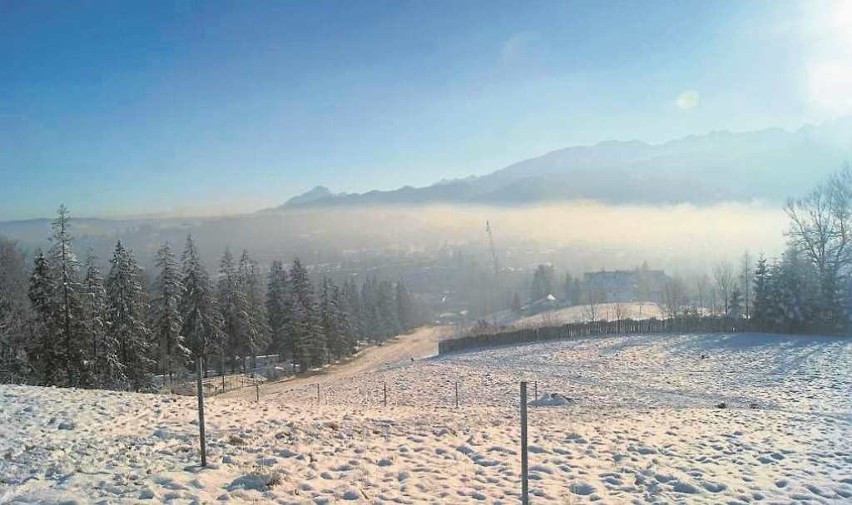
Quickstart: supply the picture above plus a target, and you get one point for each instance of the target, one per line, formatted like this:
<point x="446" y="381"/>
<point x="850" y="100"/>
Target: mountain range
<point x="768" y="165"/>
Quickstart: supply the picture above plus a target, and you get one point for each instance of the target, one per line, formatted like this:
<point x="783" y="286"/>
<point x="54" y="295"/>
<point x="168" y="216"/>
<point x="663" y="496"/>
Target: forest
<point x="66" y="323"/>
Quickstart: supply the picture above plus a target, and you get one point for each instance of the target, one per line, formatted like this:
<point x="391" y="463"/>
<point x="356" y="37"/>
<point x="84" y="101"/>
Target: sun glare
<point x="829" y="68"/>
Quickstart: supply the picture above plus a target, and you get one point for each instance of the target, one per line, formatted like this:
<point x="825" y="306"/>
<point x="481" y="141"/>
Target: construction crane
<point x="493" y="249"/>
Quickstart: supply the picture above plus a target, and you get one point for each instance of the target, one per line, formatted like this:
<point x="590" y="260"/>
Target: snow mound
<point x="551" y="400"/>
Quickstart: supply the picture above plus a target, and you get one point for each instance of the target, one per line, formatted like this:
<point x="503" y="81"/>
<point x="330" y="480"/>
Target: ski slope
<point x="640" y="425"/>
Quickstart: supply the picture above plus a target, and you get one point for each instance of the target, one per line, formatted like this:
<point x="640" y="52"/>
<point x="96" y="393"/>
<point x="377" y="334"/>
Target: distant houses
<point x="639" y="285"/>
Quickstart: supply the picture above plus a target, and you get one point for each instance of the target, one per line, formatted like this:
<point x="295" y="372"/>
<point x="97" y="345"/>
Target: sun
<point x="828" y="48"/>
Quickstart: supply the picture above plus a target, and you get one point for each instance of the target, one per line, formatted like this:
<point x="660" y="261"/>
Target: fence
<point x="578" y="330"/>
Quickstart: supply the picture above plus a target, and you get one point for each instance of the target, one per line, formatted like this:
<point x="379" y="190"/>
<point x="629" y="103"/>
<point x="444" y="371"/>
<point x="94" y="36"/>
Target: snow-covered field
<point x="641" y="426"/>
<point x="577" y="314"/>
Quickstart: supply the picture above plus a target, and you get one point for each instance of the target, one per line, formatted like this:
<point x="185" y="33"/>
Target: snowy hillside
<point x="640" y="425"/>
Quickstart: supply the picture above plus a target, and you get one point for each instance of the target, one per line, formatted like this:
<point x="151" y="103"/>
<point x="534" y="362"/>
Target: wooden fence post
<point x="457" y="394"/>
<point x="525" y="494"/>
<point x="202" y="438"/>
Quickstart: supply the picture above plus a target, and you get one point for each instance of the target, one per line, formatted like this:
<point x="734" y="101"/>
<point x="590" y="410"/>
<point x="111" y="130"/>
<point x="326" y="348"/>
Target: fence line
<point x="578" y="330"/>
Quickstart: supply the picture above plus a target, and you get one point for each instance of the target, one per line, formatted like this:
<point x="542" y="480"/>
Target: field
<point x="638" y="420"/>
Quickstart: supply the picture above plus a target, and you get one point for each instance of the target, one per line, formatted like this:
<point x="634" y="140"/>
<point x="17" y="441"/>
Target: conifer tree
<point x="279" y="309"/>
<point x="760" y="313"/>
<point x="44" y="351"/>
<point x="330" y="319"/>
<point x="103" y="349"/>
<point x="257" y="332"/>
<point x="167" y="320"/>
<point x="308" y="337"/>
<point x="201" y="321"/>
<point x="14" y="313"/>
<point x="387" y="311"/>
<point x="232" y="307"/>
<point x="353" y="309"/>
<point x="67" y="301"/>
<point x="127" y="316"/>
<point x="343" y="322"/>
<point x="405" y="309"/>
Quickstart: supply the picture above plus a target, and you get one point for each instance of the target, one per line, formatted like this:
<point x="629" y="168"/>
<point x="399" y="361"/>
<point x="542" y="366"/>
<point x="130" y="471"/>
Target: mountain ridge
<point x="718" y="166"/>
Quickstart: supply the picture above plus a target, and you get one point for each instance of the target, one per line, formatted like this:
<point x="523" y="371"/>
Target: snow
<point x="641" y="426"/>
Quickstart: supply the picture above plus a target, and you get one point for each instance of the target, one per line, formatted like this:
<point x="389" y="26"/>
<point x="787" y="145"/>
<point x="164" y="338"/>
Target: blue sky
<point x="190" y="107"/>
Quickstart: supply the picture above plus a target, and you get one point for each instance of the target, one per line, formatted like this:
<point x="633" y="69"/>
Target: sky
<point x="202" y="107"/>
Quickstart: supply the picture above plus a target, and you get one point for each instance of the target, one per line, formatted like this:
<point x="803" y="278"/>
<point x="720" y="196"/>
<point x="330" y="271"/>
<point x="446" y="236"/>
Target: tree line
<point x="64" y="323"/>
<point x="808" y="288"/>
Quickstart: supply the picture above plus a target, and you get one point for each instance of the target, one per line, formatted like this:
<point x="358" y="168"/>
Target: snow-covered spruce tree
<point x="760" y="313"/>
<point x="128" y="320"/>
<point x="278" y="310"/>
<point x="370" y="312"/>
<point x="343" y="321"/>
<point x="103" y="345"/>
<point x="797" y="292"/>
<point x="67" y="301"/>
<point x="405" y="309"/>
<point x="353" y="309"/>
<point x="387" y="309"/>
<point x="234" y="314"/>
<point x="257" y="335"/>
<point x="735" y="304"/>
<point x="330" y="320"/>
<point x="44" y="349"/>
<point x="167" y="320"/>
<point x="308" y="336"/>
<point x="201" y="321"/>
<point x="14" y="313"/>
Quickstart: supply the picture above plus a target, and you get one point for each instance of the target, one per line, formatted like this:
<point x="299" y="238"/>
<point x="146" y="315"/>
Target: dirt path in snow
<point x="420" y="344"/>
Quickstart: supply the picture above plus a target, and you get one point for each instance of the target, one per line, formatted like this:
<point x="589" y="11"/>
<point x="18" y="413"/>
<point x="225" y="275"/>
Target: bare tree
<point x="619" y="311"/>
<point x="819" y="228"/>
<point x="593" y="298"/>
<point x="674" y="296"/>
<point x="702" y="288"/>
<point x="724" y="277"/>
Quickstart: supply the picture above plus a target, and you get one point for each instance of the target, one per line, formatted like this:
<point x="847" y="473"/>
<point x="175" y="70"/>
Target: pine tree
<point x="258" y="334"/>
<point x="371" y="316"/>
<point x="344" y="318"/>
<point x="353" y="310"/>
<point x="128" y="320"/>
<point x="67" y="300"/>
<point x="279" y="310"/>
<point x="102" y="344"/>
<point x="167" y="320"/>
<point x="201" y="321"/>
<point x="543" y="283"/>
<point x="735" y="303"/>
<point x="232" y="307"/>
<point x="330" y="319"/>
<point x="405" y="308"/>
<point x="387" y="311"/>
<point x="44" y="351"/>
<point x="760" y="313"/>
<point x="516" y="306"/>
<point x="310" y="346"/>
<point x="14" y="313"/>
